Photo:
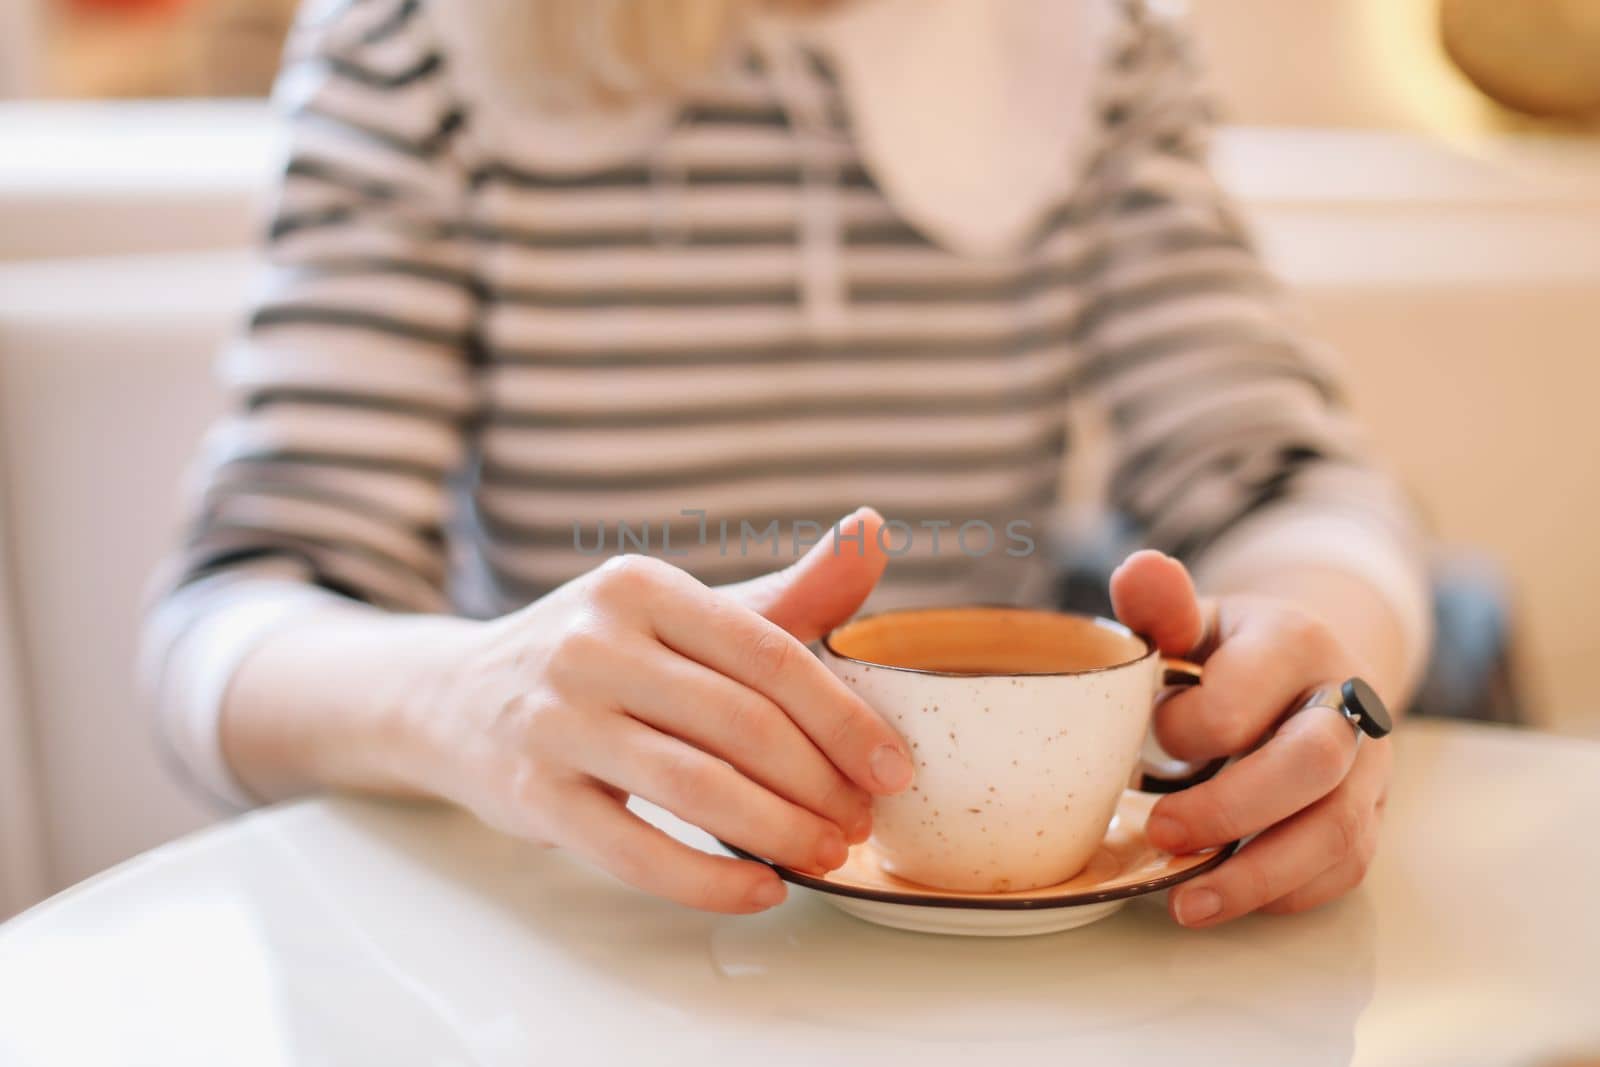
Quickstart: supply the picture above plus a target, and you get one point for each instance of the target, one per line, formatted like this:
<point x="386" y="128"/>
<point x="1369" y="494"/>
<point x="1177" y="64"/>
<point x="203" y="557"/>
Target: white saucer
<point x="1127" y="865"/>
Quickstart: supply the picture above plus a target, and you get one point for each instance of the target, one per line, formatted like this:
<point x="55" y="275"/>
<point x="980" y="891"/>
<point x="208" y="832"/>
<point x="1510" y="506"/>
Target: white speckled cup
<point x="1025" y="727"/>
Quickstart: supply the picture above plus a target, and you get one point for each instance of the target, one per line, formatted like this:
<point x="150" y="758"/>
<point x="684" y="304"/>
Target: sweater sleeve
<point x="1232" y="446"/>
<point x="350" y="388"/>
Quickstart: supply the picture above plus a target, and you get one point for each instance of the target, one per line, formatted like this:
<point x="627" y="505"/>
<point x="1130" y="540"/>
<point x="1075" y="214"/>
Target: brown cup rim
<point x="1098" y="620"/>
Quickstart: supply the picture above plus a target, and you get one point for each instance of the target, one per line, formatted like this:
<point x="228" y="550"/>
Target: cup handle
<point x="1175" y="775"/>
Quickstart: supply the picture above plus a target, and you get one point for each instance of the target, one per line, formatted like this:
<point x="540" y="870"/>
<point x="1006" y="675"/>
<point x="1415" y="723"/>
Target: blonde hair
<point x="616" y="50"/>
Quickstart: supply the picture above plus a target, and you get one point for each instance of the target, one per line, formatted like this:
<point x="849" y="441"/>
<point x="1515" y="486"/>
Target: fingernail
<point x="768" y="894"/>
<point x="891" y="768"/>
<point x="1198" y="905"/>
<point x="1167" y="833"/>
<point x="832" y="854"/>
<point x="860" y="828"/>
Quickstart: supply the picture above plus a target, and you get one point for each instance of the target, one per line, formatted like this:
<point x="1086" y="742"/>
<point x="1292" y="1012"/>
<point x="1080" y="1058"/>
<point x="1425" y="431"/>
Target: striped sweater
<point x="467" y="375"/>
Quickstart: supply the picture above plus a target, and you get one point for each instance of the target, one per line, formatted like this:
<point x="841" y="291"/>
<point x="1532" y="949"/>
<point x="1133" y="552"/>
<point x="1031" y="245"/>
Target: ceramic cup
<point x="1024" y="726"/>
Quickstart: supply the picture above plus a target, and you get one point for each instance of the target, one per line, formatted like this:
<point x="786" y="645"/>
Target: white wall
<point x="95" y="179"/>
<point x="1491" y="417"/>
<point x="105" y="387"/>
<point x="23" y="871"/>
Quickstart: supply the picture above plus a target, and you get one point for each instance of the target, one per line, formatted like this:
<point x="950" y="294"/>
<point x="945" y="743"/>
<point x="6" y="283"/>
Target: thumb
<point x="1152" y="594"/>
<point x="825" y="586"/>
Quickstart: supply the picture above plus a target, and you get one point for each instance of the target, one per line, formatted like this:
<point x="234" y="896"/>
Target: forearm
<point x="1360" y="615"/>
<point x="336" y="700"/>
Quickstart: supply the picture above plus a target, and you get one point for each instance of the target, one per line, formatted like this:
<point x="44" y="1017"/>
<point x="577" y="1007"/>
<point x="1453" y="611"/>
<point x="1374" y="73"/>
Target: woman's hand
<point x="1313" y="798"/>
<point x="637" y="679"/>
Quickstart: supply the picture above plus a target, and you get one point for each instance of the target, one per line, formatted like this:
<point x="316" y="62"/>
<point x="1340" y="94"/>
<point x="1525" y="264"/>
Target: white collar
<point x="973" y="116"/>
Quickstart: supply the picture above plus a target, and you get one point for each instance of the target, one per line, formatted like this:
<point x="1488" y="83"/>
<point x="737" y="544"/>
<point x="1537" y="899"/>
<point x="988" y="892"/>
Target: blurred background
<point x="1425" y="174"/>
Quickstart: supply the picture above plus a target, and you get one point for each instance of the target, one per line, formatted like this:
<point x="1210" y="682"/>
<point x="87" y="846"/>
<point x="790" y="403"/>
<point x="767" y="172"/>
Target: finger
<point x="825" y="586"/>
<point x="1278" y="863"/>
<point x="1267" y="658"/>
<point x="602" y="830"/>
<point x="1364" y="791"/>
<point x="701" y="789"/>
<point x="732" y="640"/>
<point x="1304" y="761"/>
<point x="1152" y="594"/>
<point x="712" y="712"/>
<point x="1327" y="887"/>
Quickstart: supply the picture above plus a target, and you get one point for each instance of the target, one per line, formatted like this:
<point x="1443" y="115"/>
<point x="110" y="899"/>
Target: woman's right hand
<point x="636" y="679"/>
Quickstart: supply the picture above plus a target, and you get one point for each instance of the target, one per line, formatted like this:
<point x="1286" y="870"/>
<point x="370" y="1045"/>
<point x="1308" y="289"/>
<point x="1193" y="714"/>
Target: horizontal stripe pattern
<point x="457" y="353"/>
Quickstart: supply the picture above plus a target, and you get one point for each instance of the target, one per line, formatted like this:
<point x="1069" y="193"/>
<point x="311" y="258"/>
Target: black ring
<point x="1366" y="708"/>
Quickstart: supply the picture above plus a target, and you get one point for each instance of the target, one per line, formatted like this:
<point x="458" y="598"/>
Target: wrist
<point x="412" y="723"/>
<point x="342" y="699"/>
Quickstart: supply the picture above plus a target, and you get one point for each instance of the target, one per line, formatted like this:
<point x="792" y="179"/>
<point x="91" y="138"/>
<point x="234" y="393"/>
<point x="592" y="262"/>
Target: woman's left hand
<point x="1312" y="795"/>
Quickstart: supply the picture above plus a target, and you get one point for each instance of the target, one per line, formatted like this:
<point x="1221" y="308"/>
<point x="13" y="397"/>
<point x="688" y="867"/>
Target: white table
<point x="343" y="932"/>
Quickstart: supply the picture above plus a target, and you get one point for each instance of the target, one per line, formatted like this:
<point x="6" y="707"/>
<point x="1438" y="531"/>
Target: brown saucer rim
<point x="930" y="898"/>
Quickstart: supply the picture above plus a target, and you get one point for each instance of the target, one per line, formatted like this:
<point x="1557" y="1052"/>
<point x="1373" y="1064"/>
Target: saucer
<point x="1126" y="865"/>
